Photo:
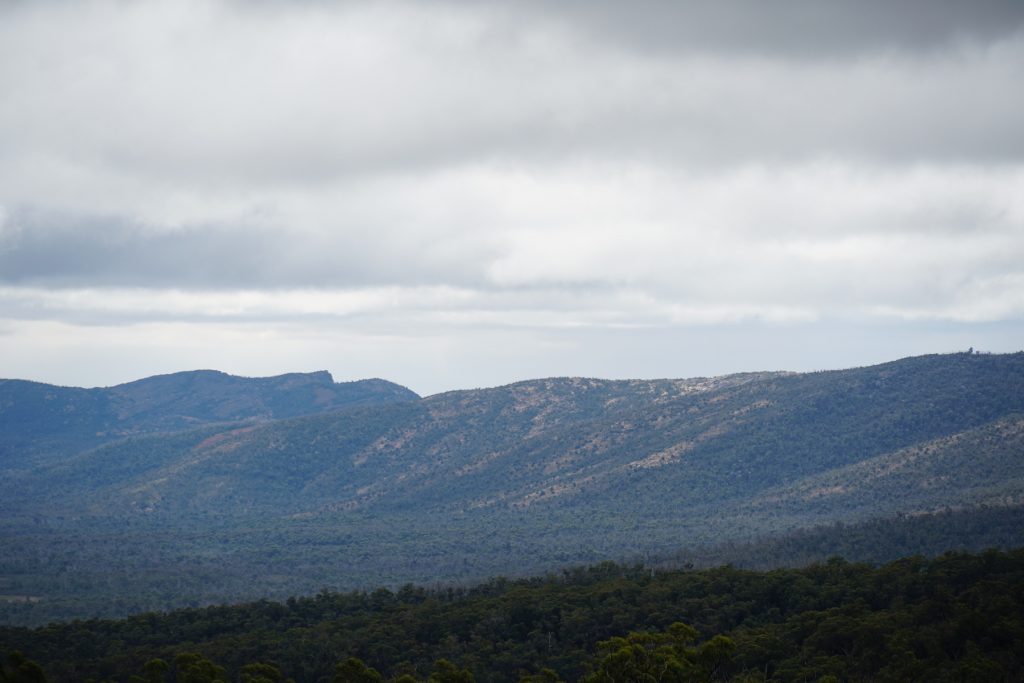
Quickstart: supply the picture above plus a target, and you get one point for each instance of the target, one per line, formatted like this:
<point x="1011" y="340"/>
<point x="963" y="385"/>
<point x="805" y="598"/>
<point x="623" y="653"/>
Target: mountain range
<point x="200" y="486"/>
<point x="42" y="423"/>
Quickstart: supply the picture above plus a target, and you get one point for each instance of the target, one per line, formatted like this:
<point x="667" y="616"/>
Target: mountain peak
<point x="320" y="376"/>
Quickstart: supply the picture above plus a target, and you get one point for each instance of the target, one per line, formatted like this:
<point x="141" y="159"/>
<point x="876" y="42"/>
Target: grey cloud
<point x="724" y="160"/>
<point x="60" y="250"/>
<point x="274" y="95"/>
<point x="796" y="28"/>
<point x="865" y="236"/>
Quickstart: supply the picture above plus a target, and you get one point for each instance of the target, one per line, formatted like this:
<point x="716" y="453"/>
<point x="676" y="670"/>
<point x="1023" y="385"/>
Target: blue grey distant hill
<point x="41" y="423"/>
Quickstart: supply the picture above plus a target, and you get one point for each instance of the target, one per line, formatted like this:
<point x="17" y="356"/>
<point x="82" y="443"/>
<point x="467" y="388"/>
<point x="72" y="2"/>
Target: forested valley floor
<point x="201" y="488"/>
<point x="958" y="617"/>
<point x="129" y="512"/>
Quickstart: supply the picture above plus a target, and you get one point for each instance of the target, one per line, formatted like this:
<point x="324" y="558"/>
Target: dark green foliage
<point x="446" y="672"/>
<point x="192" y="667"/>
<point x="545" y="676"/>
<point x="354" y="670"/>
<point x="957" y="617"/>
<point x="666" y="657"/>
<point x="261" y="673"/>
<point x="17" y="669"/>
<point x="153" y="671"/>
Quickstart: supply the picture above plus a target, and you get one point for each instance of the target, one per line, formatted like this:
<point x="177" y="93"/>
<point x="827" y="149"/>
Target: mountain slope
<point x="42" y="423"/>
<point x="629" y="447"/>
<point x="519" y="478"/>
<point x="977" y="465"/>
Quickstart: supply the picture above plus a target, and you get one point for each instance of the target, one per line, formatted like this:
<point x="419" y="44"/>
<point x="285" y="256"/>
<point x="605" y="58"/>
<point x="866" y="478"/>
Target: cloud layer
<point x="451" y="170"/>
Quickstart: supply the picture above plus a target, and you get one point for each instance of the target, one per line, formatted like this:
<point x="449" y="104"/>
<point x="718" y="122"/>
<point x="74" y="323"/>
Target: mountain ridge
<point x="531" y="475"/>
<point x="565" y="437"/>
<point x="41" y="423"/>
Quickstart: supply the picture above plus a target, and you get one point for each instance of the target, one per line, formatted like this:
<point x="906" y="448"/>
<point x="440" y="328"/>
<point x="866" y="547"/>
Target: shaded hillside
<point x="42" y="423"/>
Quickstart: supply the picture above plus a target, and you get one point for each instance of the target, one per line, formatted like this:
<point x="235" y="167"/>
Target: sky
<point x="458" y="194"/>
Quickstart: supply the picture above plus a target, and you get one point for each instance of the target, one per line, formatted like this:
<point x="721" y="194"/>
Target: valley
<point x="280" y="491"/>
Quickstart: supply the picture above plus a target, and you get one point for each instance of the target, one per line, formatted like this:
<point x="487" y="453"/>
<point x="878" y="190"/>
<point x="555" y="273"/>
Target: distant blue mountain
<point x="42" y="423"/>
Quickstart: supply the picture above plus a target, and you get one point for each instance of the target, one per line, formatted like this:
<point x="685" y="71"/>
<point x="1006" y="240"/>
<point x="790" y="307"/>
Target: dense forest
<point x="959" y="617"/>
<point x="877" y="541"/>
<point x="128" y="571"/>
<point x="311" y="484"/>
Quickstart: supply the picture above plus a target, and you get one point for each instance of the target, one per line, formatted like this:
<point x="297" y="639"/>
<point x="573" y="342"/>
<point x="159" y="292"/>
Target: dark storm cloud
<point x="796" y="28"/>
<point x="112" y="102"/>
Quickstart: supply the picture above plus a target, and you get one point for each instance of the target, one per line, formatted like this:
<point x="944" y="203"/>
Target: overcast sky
<point x="461" y="194"/>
